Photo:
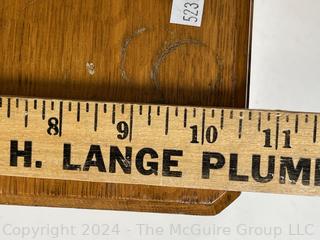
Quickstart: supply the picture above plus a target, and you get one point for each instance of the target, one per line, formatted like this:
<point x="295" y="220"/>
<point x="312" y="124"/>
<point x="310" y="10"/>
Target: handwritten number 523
<point x="190" y="12"/>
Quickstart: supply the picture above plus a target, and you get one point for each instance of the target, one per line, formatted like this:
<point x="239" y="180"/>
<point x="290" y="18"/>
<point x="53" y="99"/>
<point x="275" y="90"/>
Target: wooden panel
<point x="122" y="50"/>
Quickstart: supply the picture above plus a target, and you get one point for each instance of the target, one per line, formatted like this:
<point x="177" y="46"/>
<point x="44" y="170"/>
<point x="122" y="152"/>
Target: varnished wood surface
<point x="122" y="50"/>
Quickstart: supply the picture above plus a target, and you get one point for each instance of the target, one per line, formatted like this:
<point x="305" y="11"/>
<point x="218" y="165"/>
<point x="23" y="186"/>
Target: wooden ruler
<point x="175" y="146"/>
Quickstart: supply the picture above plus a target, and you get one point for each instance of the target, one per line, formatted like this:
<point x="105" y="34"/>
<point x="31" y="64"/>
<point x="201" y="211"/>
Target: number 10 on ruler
<point x="187" y="12"/>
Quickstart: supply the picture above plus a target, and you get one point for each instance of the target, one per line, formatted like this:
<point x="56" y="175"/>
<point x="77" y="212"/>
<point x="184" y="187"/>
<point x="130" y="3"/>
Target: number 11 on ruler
<point x="187" y="12"/>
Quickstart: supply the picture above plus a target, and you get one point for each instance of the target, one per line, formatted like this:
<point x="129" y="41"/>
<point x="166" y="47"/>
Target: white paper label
<point x="187" y="12"/>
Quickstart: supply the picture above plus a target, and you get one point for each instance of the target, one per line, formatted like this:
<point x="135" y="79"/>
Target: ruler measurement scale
<point x="149" y="116"/>
<point x="197" y="145"/>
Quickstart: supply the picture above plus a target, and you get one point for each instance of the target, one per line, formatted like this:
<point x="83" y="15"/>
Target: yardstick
<point x="174" y="146"/>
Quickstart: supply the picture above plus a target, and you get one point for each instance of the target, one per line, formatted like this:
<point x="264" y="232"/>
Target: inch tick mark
<point x="131" y="123"/>
<point x="43" y="110"/>
<point x="296" y="127"/>
<point x="96" y="110"/>
<point x="222" y="119"/>
<point x="35" y="104"/>
<point x="113" y="114"/>
<point x="26" y="113"/>
<point x="259" y="122"/>
<point x="9" y="108"/>
<point x="277" y="131"/>
<point x="60" y="117"/>
<point x="149" y="115"/>
<point x="87" y="107"/>
<point x="315" y="128"/>
<point x="78" y="111"/>
<point x="167" y="122"/>
<point x="203" y="125"/>
<point x="240" y="124"/>
<point x="70" y="106"/>
<point x="185" y="118"/>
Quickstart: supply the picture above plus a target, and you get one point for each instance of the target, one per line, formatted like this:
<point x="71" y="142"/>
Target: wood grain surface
<point x="122" y="50"/>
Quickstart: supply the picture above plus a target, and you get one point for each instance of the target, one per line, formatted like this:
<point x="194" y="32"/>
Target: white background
<point x="285" y="70"/>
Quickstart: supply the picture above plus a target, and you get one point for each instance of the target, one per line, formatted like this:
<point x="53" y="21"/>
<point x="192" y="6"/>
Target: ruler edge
<point x="156" y="104"/>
